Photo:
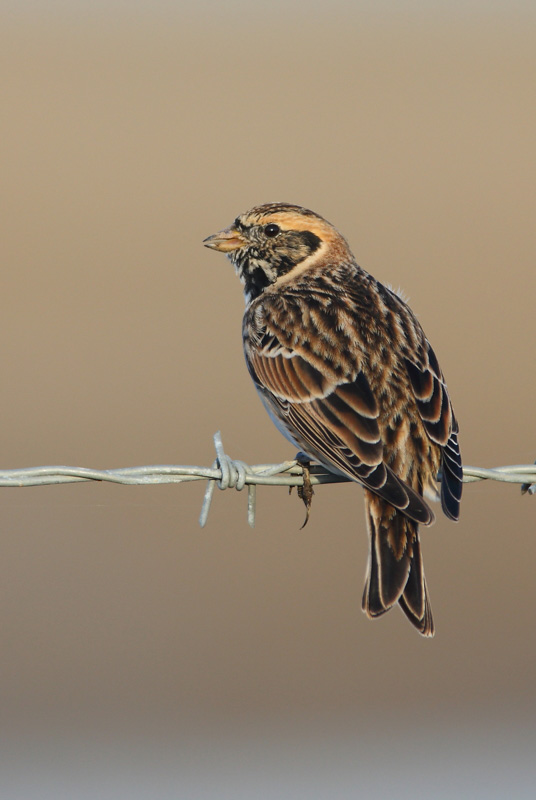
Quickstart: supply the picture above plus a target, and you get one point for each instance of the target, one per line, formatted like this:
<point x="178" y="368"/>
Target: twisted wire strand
<point x="227" y="473"/>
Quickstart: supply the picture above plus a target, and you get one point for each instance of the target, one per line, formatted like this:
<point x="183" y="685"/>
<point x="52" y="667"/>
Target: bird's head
<point x="271" y="241"/>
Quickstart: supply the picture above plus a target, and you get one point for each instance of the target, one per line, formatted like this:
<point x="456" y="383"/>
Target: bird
<point x="346" y="373"/>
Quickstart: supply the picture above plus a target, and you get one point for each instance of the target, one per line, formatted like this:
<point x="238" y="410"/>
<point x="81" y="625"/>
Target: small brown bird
<point x="346" y="373"/>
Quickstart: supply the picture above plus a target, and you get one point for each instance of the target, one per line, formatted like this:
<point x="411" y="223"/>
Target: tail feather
<point x="395" y="571"/>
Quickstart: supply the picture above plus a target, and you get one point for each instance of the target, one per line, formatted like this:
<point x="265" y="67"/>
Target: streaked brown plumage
<point x="346" y="373"/>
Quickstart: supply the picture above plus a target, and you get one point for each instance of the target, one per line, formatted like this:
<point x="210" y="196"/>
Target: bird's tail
<point x="395" y="571"/>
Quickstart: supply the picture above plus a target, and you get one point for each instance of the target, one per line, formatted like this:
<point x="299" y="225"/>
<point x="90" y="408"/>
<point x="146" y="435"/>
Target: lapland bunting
<point x="347" y="375"/>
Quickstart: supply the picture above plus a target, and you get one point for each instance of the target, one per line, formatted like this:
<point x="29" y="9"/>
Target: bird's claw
<point x="306" y="491"/>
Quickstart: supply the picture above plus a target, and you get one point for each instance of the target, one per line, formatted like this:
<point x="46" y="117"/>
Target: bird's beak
<point x="225" y="241"/>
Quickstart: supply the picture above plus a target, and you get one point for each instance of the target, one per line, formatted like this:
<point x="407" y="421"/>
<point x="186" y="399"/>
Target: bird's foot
<point x="306" y="491"/>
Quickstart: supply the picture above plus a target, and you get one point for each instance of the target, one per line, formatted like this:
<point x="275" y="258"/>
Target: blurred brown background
<point x="141" y="656"/>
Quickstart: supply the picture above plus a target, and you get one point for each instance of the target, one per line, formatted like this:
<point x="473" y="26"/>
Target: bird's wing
<point x="433" y="404"/>
<point x="333" y="416"/>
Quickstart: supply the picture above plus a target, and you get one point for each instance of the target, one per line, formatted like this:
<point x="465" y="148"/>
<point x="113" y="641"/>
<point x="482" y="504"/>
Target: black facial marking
<point x="270" y="253"/>
<point x="289" y="249"/>
<point x="256" y="281"/>
<point x="312" y="241"/>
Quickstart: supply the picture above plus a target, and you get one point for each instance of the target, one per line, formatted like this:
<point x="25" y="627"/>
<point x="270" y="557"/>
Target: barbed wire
<point x="226" y="473"/>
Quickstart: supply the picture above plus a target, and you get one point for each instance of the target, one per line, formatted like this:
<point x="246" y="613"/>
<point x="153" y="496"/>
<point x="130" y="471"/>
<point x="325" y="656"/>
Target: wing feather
<point x="333" y="418"/>
<point x="435" y="410"/>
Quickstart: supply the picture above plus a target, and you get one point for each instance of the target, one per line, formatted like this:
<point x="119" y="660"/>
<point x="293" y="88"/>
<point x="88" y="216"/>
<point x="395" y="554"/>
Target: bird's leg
<point x="306" y="491"/>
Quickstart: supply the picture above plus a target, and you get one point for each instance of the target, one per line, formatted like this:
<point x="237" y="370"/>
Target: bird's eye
<point x="272" y="230"/>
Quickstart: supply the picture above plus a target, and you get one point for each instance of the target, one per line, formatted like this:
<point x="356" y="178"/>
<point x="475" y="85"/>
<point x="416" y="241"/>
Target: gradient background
<point x="142" y="657"/>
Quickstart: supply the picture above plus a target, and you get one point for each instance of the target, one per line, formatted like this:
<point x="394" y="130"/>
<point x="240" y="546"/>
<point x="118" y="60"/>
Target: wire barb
<point x="228" y="474"/>
<point x="233" y="475"/>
